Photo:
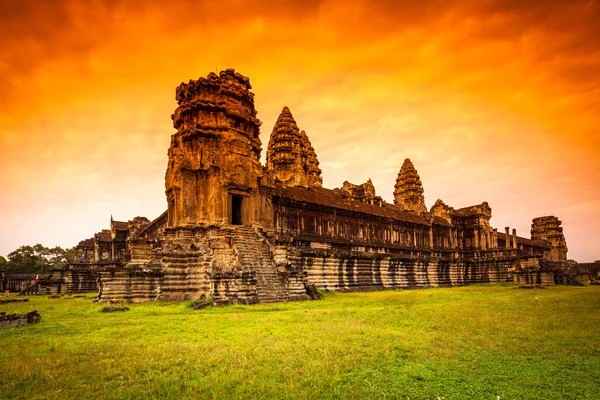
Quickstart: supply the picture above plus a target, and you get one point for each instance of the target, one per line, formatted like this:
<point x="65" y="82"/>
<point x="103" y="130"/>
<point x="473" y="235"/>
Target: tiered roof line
<point x="408" y="191"/>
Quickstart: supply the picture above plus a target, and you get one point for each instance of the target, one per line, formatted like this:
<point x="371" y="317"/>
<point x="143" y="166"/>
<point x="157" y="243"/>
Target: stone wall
<point x="535" y="277"/>
<point x="76" y="278"/>
<point x="337" y="267"/>
<point x="131" y="285"/>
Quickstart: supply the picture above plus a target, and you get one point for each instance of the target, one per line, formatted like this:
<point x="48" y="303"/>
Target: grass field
<point x="482" y="342"/>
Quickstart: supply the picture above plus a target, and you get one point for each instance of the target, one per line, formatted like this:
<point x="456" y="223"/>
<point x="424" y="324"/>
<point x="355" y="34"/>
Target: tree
<point x="38" y="259"/>
<point x="57" y="257"/>
<point x="22" y="260"/>
<point x="2" y="263"/>
<point x="72" y="254"/>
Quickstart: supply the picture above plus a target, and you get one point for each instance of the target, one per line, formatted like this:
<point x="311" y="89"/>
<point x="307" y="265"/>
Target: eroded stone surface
<point x="18" y="320"/>
<point x="217" y="145"/>
<point x="201" y="304"/>
<point x="13" y="301"/>
<point x="114" y="309"/>
<point x="548" y="229"/>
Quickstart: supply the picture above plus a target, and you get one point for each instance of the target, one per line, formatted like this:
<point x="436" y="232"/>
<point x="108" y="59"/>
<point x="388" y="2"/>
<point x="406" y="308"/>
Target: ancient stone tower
<point x="291" y="158"/>
<point x="548" y="229"/>
<point x="408" y="191"/>
<point x="214" y="168"/>
<point x="310" y="162"/>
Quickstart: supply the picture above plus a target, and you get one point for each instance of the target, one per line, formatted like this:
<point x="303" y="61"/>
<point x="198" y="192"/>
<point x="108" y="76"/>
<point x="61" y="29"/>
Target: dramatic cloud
<point x="492" y="100"/>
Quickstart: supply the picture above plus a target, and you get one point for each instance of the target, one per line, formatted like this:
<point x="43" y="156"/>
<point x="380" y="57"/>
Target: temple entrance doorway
<point x="236" y="209"/>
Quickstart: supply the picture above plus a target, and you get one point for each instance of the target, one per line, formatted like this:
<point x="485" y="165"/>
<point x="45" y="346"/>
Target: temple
<point x="237" y="231"/>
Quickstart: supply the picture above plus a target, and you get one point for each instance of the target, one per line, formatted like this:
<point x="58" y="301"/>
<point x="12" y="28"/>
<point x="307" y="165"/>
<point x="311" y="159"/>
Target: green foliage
<point x="479" y="342"/>
<point x="38" y="259"/>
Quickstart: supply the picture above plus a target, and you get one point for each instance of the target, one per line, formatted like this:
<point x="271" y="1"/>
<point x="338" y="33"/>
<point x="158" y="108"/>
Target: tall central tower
<point x="214" y="167"/>
<point x="408" y="191"/>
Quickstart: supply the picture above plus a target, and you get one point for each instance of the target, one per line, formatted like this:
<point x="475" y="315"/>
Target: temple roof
<point x="162" y="218"/>
<point x="440" y="221"/>
<point x="103" y="236"/>
<point x="327" y="197"/>
<point x="478" y="209"/>
<point x="502" y="237"/>
<point x="119" y="225"/>
<point x="589" y="267"/>
<point x="86" y="244"/>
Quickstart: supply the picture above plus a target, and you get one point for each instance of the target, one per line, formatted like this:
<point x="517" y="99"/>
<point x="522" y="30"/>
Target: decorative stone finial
<point x="408" y="191"/>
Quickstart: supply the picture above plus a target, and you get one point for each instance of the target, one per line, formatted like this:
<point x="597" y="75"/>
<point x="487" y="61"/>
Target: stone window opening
<point x="311" y="228"/>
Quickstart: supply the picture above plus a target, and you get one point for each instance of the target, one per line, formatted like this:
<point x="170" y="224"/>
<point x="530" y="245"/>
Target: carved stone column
<point x="431" y="237"/>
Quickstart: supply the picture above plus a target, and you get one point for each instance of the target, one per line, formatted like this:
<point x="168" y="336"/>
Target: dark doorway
<point x="236" y="210"/>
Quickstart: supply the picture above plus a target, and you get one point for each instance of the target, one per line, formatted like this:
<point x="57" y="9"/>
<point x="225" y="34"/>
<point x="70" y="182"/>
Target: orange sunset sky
<point x="494" y="101"/>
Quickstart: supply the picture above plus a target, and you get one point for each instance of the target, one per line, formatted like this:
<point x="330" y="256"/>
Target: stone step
<point x="253" y="252"/>
<point x="269" y="281"/>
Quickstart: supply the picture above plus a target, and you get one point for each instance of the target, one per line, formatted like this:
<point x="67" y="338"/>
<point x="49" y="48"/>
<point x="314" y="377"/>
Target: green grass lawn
<point x="482" y="342"/>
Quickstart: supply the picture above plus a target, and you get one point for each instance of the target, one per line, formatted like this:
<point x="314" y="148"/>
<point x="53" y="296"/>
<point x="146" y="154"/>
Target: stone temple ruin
<point x="237" y="231"/>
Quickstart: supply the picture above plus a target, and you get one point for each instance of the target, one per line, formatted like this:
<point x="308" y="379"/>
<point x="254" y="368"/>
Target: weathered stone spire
<point x="408" y="191"/>
<point x="310" y="161"/>
<point x="290" y="156"/>
<point x="548" y="229"/>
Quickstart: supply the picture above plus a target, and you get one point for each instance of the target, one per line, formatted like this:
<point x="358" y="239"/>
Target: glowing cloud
<point x="494" y="101"/>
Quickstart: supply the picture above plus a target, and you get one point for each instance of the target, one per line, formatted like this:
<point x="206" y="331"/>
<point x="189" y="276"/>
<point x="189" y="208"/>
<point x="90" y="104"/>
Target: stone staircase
<point x="81" y="281"/>
<point x="564" y="278"/>
<point x="561" y="277"/>
<point x="184" y="276"/>
<point x="34" y="288"/>
<point x="254" y="254"/>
